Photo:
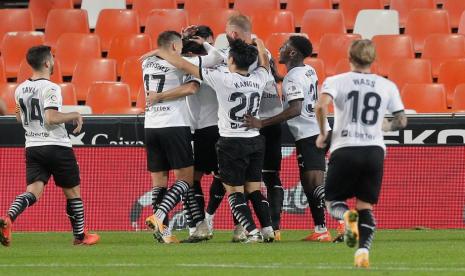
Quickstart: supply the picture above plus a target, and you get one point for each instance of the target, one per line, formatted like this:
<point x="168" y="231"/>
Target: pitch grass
<point x="406" y="252"/>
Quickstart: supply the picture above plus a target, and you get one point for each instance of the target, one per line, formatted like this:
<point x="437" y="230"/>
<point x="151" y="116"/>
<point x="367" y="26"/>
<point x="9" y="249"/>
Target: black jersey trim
<point x="39" y="79"/>
<point x="397" y="112"/>
<point x="51" y="107"/>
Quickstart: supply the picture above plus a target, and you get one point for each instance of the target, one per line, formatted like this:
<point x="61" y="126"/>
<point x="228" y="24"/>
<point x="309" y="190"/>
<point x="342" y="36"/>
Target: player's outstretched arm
<point x="397" y="123"/>
<point x="294" y="109"/>
<point x="179" y="62"/>
<point x="181" y="91"/>
<point x="263" y="59"/>
<point x="54" y="117"/>
<point x="321" y="110"/>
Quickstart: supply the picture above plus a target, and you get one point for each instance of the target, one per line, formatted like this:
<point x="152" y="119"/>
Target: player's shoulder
<point x="385" y="83"/>
<point x="300" y="73"/>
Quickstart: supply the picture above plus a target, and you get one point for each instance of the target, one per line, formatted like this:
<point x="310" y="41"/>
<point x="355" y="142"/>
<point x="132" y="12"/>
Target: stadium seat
<point x="455" y="8"/>
<point x="462" y="24"/>
<point x="405" y="6"/>
<point x="343" y="66"/>
<point x="161" y="20"/>
<point x="15" y="20"/>
<point x="68" y="93"/>
<point x="94" y="7"/>
<point x="71" y="48"/>
<point x="14" y="48"/>
<point x="319" y="67"/>
<point x="411" y="70"/>
<point x="123" y="111"/>
<point x="40" y="9"/>
<point x="458" y="102"/>
<point x="103" y="95"/>
<point x="91" y="70"/>
<point x="25" y="72"/>
<point x="269" y="21"/>
<point x="131" y="73"/>
<point x="299" y="7"/>
<point x="443" y="47"/>
<point x="423" y="22"/>
<point x="2" y="71"/>
<point x="316" y="23"/>
<point x="350" y="9"/>
<point x="144" y="7"/>
<point x="62" y="21"/>
<point x="376" y="22"/>
<point x="451" y="74"/>
<point x="124" y="46"/>
<point x="140" y="103"/>
<point x="425" y="98"/>
<point x="7" y="93"/>
<point x="215" y="20"/>
<point x="276" y="40"/>
<point x="334" y="47"/>
<point x="112" y="22"/>
<point x="255" y="7"/>
<point x="195" y="7"/>
<point x="390" y="48"/>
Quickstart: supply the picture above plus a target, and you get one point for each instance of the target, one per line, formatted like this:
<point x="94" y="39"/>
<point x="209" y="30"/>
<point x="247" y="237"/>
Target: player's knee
<point x="185" y="174"/>
<point x="251" y="187"/>
<point x="71" y="193"/>
<point x="36" y="188"/>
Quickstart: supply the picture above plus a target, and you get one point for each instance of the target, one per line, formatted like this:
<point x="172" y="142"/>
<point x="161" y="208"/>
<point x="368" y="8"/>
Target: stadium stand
<point x="113" y="22"/>
<point x="319" y="67"/>
<point x="299" y="7"/>
<point x="255" y="7"/>
<point x="89" y="71"/>
<point x="144" y="7"/>
<point x="458" y="102"/>
<point x="131" y="73"/>
<point x="124" y="46"/>
<point x="390" y="48"/>
<point x="94" y="8"/>
<point x="343" y="66"/>
<point x="15" y="20"/>
<point x="376" y="22"/>
<point x="72" y="47"/>
<point x="195" y="7"/>
<point x="123" y="110"/>
<point x="25" y="72"/>
<point x="443" y="47"/>
<point x="334" y="47"/>
<point x="161" y="20"/>
<point x="455" y="8"/>
<point x="68" y="93"/>
<point x="405" y="71"/>
<point x="140" y="98"/>
<point x="7" y="93"/>
<point x="2" y="71"/>
<point x="461" y="29"/>
<point x="405" y="6"/>
<point x="350" y="9"/>
<point x="40" y="9"/>
<point x="272" y="21"/>
<point x="215" y="20"/>
<point x="451" y="74"/>
<point x="62" y="21"/>
<point x="425" y="98"/>
<point x="104" y="94"/>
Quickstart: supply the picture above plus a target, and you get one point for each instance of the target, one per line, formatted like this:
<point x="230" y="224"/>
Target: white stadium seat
<point x="94" y="7"/>
<point x="376" y="22"/>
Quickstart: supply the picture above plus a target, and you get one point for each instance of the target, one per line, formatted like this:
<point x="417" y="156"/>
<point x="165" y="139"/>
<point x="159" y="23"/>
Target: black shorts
<point x="309" y="157"/>
<point x="240" y="160"/>
<point x="168" y="148"/>
<point x="273" y="156"/>
<point x="45" y="161"/>
<point x="355" y="172"/>
<point x="205" y="159"/>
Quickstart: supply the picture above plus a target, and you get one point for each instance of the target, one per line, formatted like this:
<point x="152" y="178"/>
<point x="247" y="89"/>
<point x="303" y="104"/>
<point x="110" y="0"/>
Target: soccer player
<point x="48" y="147"/>
<point x="355" y="169"/>
<point x="240" y="152"/>
<point x="300" y="93"/>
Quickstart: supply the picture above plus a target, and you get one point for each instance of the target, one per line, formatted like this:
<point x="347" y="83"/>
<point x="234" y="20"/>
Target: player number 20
<point x="251" y="103"/>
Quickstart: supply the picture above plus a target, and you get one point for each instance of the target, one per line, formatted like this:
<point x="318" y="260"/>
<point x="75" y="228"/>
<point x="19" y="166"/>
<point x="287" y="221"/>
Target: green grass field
<point x="405" y="252"/>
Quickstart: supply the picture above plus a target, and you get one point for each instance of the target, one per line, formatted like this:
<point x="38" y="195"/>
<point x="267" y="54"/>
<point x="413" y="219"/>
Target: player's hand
<point x="251" y="122"/>
<point x="152" y="98"/>
<point x="78" y="122"/>
<point x="257" y="41"/>
<point x="321" y="141"/>
<point x="189" y="31"/>
<point x="386" y="125"/>
<point x="199" y="40"/>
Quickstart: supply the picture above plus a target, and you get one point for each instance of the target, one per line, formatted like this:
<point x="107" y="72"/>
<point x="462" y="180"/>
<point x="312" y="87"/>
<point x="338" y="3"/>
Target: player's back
<point x="360" y="102"/>
<point x="203" y="107"/>
<point x="34" y="98"/>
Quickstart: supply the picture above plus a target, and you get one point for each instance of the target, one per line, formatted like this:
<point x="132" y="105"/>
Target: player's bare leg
<point x="33" y="193"/>
<point x="75" y="212"/>
<point x="366" y="230"/>
<point x="261" y="208"/>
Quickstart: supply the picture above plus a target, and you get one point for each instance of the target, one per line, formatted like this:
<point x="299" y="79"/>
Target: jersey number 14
<point x="33" y="113"/>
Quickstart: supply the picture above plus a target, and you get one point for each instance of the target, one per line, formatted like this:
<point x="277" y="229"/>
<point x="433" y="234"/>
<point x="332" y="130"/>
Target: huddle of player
<point x="229" y="100"/>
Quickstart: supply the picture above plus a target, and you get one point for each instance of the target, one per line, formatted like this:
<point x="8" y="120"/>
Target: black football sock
<point x="20" y="204"/>
<point x="241" y="212"/>
<point x="158" y="193"/>
<point x="172" y="198"/>
<point x="217" y="193"/>
<point x="187" y="212"/>
<point x="198" y="193"/>
<point x="316" y="203"/>
<point x="337" y="209"/>
<point x="275" y="194"/>
<point x="261" y="208"/>
<point x="197" y="214"/>
<point x="75" y="212"/>
<point x="366" y="228"/>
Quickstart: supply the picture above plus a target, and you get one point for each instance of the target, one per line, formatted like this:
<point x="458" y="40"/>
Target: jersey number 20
<point x="251" y="103"/>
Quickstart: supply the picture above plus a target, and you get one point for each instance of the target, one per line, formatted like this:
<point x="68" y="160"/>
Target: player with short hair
<point x="355" y="169"/>
<point x="300" y="93"/>
<point x="48" y="148"/>
<point x="240" y="152"/>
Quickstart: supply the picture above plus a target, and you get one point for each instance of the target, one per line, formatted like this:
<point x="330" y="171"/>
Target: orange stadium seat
<point x="462" y="24"/>
<point x="334" y="47"/>
<point x="103" y="95"/>
<point x="140" y="103"/>
<point x="62" y="21"/>
<point x="215" y="20"/>
<point x="41" y="8"/>
<point x="403" y="71"/>
<point x="390" y="48"/>
<point x="91" y="70"/>
<point x="451" y="74"/>
<point x="269" y="21"/>
<point x="113" y="22"/>
<point x="123" y="110"/>
<point x="443" y="47"/>
<point x="350" y="9"/>
<point x="144" y="7"/>
<point x="255" y="7"/>
<point x="319" y="67"/>
<point x="276" y="40"/>
<point x="124" y="46"/>
<point x="343" y="66"/>
<point x="131" y="73"/>
<point x="15" y="20"/>
<point x="425" y="97"/>
<point x="7" y="93"/>
<point x="68" y="93"/>
<point x="196" y="7"/>
<point x="455" y="8"/>
<point x="298" y="8"/>
<point x="405" y="6"/>
<point x="423" y="22"/>
<point x="458" y="102"/>
<point x="316" y="23"/>
<point x="72" y="47"/>
<point x="2" y="71"/>
<point x="162" y="20"/>
<point x="14" y="48"/>
<point x="25" y="72"/>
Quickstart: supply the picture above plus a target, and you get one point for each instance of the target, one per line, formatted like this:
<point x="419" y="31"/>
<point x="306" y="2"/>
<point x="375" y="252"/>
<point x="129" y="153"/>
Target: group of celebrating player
<point x="229" y="100"/>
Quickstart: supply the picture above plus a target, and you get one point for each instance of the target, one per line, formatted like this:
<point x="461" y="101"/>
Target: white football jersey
<point x="360" y="102"/>
<point x="160" y="76"/>
<point x="237" y="95"/>
<point x="34" y="97"/>
<point x="203" y="107"/>
<point x="301" y="83"/>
